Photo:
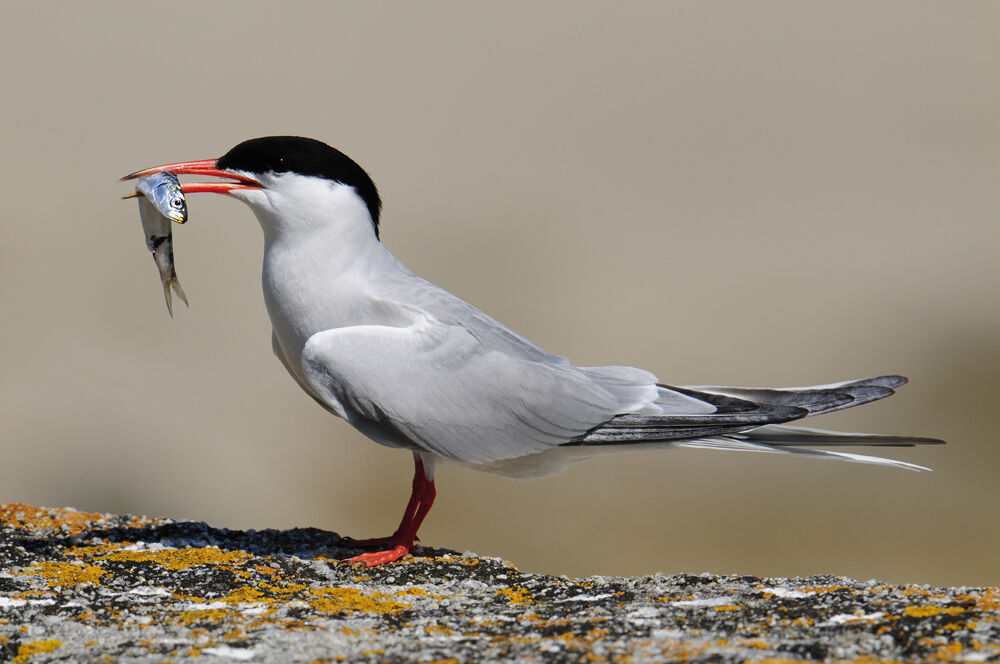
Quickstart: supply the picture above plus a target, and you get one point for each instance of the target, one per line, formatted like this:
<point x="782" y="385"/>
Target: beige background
<point x="744" y="193"/>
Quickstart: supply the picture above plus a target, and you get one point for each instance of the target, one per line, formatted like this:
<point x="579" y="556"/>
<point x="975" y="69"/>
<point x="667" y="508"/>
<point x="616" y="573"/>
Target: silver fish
<point x="161" y="201"/>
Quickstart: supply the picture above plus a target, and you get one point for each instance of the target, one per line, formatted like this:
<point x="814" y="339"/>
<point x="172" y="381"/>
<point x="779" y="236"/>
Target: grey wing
<point x="437" y="387"/>
<point x="452" y="310"/>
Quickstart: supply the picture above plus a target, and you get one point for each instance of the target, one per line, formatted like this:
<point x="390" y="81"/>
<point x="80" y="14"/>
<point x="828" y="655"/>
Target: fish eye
<point x="177" y="203"/>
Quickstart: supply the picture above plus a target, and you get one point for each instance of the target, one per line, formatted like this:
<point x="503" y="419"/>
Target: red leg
<point x="419" y="481"/>
<point x="401" y="542"/>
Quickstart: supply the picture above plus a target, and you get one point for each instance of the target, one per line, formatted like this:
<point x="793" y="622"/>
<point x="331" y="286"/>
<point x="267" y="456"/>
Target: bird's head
<point x="286" y="180"/>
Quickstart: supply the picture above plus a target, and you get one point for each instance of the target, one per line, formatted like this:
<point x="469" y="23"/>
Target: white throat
<point x="322" y="258"/>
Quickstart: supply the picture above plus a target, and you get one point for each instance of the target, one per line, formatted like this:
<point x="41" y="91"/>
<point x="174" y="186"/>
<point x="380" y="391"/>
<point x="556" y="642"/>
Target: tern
<point x="414" y="367"/>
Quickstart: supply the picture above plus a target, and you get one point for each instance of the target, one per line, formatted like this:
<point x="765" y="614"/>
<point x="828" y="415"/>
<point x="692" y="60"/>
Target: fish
<point x="161" y="201"/>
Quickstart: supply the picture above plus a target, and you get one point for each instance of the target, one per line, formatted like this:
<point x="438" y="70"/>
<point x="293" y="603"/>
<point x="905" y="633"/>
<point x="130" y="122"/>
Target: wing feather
<point x="436" y="387"/>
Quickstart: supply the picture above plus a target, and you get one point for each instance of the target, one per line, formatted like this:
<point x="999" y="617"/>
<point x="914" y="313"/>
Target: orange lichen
<point x="180" y="558"/>
<point x="26" y="650"/>
<point x="727" y="607"/>
<point x="65" y="574"/>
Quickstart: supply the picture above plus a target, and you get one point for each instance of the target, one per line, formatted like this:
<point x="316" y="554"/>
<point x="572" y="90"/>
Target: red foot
<point x="421" y="499"/>
<point x="381" y="557"/>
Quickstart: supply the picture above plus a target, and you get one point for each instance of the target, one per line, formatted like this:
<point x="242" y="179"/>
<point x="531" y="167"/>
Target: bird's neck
<point x="319" y="274"/>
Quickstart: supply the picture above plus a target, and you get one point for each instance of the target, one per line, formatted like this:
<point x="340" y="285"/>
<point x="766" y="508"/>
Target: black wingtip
<point x="890" y="381"/>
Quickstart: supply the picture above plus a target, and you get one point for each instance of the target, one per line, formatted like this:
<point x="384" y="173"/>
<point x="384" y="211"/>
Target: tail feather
<point x="753" y="419"/>
<point x="783" y="435"/>
<point x="734" y="444"/>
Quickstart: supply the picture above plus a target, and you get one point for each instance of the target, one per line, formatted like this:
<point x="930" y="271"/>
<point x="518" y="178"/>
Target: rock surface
<point x="97" y="587"/>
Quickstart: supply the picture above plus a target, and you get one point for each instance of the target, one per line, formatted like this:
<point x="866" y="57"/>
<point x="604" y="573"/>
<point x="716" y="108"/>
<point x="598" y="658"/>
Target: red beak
<point x="203" y="167"/>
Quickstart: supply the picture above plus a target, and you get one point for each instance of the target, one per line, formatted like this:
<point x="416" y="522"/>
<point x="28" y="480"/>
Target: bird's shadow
<point x="305" y="543"/>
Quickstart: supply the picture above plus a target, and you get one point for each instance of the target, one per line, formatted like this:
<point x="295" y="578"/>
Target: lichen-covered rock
<point x="97" y="587"/>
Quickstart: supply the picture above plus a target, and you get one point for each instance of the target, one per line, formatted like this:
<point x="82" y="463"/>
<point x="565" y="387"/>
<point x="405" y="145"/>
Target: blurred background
<point x="770" y="193"/>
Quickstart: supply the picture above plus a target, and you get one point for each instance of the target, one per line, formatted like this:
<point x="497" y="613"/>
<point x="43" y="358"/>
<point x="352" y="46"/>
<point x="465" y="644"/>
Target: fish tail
<point x="180" y="291"/>
<point x="166" y="296"/>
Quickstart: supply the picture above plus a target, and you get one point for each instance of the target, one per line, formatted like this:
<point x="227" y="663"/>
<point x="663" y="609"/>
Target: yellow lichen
<point x="438" y="630"/>
<point x="180" y="558"/>
<point x="519" y="596"/>
<point x="727" y="607"/>
<point x="244" y="595"/>
<point x="29" y="517"/>
<point x="823" y="589"/>
<point x="419" y="592"/>
<point x="26" y="650"/>
<point x="949" y="650"/>
<point x="197" y="616"/>
<point x="925" y="611"/>
<point x="65" y="574"/>
<point x="283" y="587"/>
<point x="95" y="549"/>
<point x="28" y="594"/>
<point x="340" y="600"/>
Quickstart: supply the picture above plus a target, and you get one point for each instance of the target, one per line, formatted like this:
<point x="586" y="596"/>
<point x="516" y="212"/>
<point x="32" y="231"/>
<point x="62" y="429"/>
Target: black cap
<point x="305" y="156"/>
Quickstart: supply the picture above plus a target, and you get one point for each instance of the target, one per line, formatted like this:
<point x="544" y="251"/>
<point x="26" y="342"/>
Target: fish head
<point x="169" y="199"/>
<point x="165" y="193"/>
